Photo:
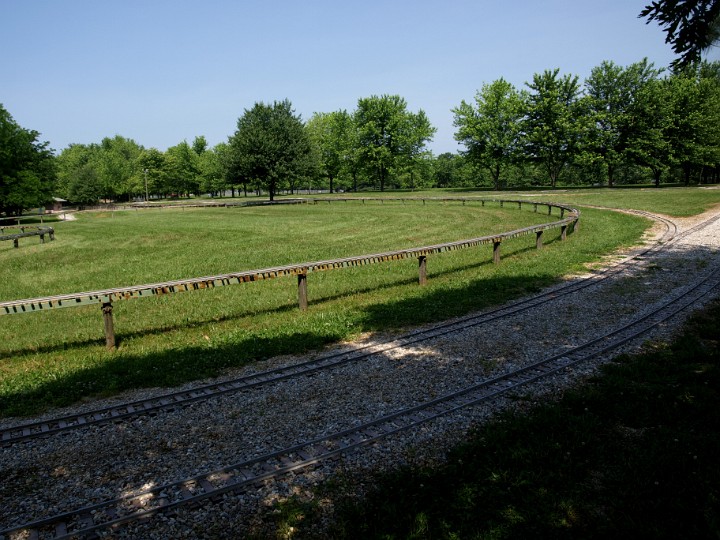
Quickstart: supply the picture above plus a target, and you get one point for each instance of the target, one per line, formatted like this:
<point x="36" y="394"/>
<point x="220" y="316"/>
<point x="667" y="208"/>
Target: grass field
<point x="57" y="358"/>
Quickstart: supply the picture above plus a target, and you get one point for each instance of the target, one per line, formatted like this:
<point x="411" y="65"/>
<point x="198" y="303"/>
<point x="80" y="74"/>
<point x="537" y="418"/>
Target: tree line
<point x="622" y="125"/>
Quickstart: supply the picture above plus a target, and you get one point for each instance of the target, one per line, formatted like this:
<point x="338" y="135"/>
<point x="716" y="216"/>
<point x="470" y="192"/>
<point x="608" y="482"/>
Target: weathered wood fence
<point x="569" y="218"/>
<point x="25" y="232"/>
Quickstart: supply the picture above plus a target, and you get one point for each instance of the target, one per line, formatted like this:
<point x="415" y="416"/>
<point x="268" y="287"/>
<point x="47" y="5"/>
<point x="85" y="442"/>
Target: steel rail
<point x="236" y="477"/>
<point x="170" y="401"/>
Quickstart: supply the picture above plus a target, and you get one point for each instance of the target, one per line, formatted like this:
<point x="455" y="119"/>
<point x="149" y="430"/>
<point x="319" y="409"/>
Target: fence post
<point x="576" y="225"/>
<point x="16" y="242"/>
<point x="107" y="311"/>
<point x="422" y="269"/>
<point x="538" y="239"/>
<point x="302" y="291"/>
<point x="563" y="232"/>
<point x="535" y="207"/>
<point x="496" y="251"/>
<point x="549" y="209"/>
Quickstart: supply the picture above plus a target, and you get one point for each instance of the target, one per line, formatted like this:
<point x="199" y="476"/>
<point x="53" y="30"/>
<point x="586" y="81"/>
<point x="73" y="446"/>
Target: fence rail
<point x="25" y="232"/>
<point x="106" y="297"/>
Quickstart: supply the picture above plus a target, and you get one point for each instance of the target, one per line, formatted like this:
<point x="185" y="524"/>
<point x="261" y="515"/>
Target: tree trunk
<point x="656" y="174"/>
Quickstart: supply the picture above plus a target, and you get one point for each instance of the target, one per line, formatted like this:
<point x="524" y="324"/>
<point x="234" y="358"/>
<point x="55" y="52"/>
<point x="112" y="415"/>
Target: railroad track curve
<point x="108" y="516"/>
<point x="172" y="400"/>
<point x="16" y="434"/>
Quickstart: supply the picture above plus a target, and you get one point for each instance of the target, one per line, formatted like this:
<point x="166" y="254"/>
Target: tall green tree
<point x="389" y="136"/>
<point x="27" y="167"/>
<point x="694" y="135"/>
<point x="155" y="171"/>
<point x="490" y="129"/>
<point x="271" y="146"/>
<point x="117" y="167"/>
<point x="332" y="135"/>
<point x="183" y="169"/>
<point x="552" y="132"/>
<point x="78" y="174"/>
<point x="613" y="104"/>
<point x="212" y="170"/>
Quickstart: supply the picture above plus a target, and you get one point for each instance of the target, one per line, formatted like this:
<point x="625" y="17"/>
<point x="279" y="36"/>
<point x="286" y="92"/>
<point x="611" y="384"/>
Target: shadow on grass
<point x="317" y="301"/>
<point x="125" y="370"/>
<point x="632" y="454"/>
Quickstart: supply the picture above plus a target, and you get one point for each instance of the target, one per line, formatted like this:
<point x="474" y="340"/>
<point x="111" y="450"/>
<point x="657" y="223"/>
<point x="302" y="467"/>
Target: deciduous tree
<point x="270" y="145"/>
<point x="551" y="130"/>
<point x="692" y="26"/>
<point x="490" y="130"/>
<point x="27" y="167"/>
<point x="389" y="136"/>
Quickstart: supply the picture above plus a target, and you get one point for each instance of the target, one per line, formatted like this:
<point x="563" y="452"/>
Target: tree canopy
<point x="27" y="167"/>
<point x="389" y="136"/>
<point x="692" y="26"/>
<point x="270" y="146"/>
<point x="491" y="131"/>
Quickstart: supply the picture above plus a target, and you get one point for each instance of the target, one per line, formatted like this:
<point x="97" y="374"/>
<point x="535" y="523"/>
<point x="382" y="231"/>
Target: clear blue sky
<point x="162" y="71"/>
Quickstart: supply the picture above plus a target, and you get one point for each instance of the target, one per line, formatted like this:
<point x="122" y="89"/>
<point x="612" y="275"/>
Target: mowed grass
<point x="57" y="358"/>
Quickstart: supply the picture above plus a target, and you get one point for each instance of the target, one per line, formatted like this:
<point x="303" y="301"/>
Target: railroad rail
<point x="26" y="231"/>
<point x="110" y="515"/>
<point x="106" y="297"/>
<point x="171" y="401"/>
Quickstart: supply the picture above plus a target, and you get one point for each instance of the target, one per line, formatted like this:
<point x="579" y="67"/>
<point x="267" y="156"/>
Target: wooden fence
<point x="106" y="297"/>
<point x="25" y="232"/>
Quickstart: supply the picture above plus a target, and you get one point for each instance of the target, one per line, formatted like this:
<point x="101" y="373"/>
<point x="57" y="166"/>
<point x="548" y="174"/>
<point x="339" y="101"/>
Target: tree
<point x="332" y="136"/>
<point x="490" y="130"/>
<point x="389" y="137"/>
<point x="27" y="167"/>
<point x="270" y="145"/>
<point x="692" y="26"/>
<point x="551" y="129"/>
<point x="613" y="106"/>
<point x="117" y="167"/>
<point x="212" y="170"/>
<point x="154" y="169"/>
<point x="650" y="147"/>
<point x="694" y="95"/>
<point x="183" y="169"/>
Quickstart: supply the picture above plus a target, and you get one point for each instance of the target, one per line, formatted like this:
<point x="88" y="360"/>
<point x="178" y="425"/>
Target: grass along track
<point x="171" y="340"/>
<point x="170" y="401"/>
<point x="246" y="474"/>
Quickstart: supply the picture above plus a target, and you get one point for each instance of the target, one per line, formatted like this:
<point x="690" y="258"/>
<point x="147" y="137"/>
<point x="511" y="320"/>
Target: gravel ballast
<point x="88" y="465"/>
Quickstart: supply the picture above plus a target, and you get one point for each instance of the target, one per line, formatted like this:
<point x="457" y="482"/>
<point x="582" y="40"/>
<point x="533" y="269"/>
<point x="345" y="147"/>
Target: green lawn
<point x="56" y="358"/>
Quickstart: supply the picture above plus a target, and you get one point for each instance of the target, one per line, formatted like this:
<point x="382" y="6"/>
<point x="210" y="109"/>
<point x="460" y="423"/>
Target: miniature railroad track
<point x="171" y="401"/>
<point x="112" y="514"/>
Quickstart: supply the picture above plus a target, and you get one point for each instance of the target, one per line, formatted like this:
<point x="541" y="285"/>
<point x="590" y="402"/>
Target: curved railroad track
<point x="109" y="515"/>
<point x="173" y="400"/>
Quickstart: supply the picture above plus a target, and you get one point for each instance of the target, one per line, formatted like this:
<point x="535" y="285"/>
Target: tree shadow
<point x="318" y="300"/>
<point x="127" y="369"/>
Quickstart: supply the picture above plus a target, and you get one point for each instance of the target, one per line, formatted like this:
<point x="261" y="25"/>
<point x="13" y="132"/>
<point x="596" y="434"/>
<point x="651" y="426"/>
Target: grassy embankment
<point x="56" y="358"/>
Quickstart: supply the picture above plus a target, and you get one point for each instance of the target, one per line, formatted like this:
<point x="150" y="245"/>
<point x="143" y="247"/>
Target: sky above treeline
<point x="164" y="71"/>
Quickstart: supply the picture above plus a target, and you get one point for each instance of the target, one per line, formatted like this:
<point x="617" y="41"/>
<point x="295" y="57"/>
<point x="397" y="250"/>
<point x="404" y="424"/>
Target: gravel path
<point x="97" y="463"/>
